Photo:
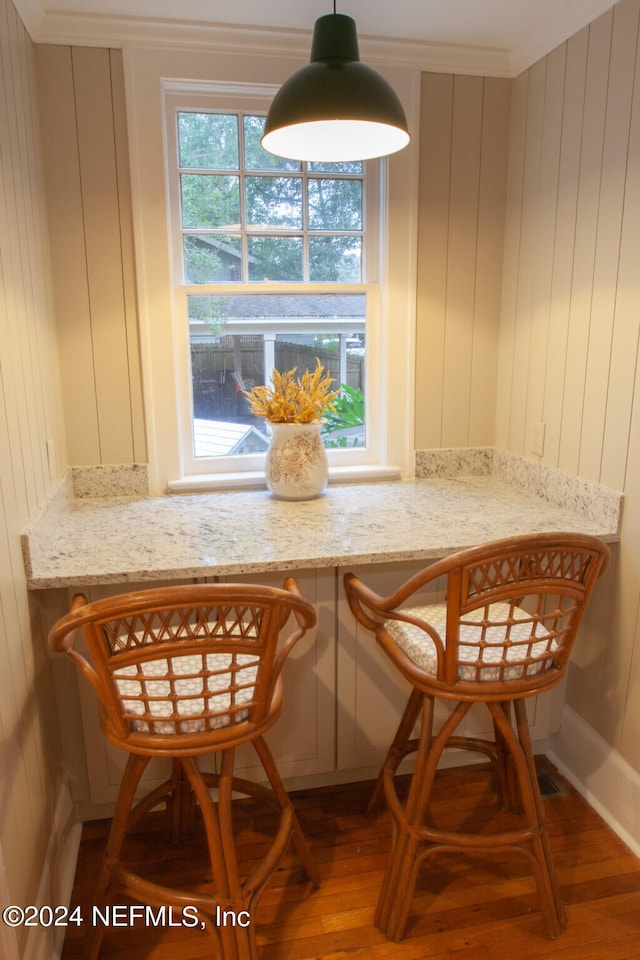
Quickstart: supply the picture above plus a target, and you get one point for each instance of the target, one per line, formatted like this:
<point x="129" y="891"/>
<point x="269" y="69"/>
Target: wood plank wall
<point x="570" y="331"/>
<point x="463" y="176"/>
<point x="83" y="118"/>
<point x="31" y="425"/>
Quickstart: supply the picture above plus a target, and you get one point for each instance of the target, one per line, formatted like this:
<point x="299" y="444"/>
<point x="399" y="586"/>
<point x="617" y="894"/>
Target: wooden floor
<point x="463" y="909"/>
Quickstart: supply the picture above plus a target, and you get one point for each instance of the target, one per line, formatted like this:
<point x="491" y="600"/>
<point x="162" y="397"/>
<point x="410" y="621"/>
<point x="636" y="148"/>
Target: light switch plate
<point x="537" y="439"/>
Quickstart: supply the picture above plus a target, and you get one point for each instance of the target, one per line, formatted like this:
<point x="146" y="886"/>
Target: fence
<point x="220" y="369"/>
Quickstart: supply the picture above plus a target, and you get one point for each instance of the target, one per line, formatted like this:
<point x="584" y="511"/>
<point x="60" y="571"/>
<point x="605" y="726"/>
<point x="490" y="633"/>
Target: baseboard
<point x="58" y="872"/>
<point x="600" y="774"/>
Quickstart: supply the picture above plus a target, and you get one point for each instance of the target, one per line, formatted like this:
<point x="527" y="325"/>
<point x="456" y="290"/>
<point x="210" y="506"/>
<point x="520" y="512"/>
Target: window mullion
<point x="244" y="244"/>
<point x="305" y="224"/>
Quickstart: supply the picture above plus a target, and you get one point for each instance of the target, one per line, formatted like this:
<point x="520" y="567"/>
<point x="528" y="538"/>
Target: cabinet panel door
<point x="371" y="692"/>
<point x="302" y="740"/>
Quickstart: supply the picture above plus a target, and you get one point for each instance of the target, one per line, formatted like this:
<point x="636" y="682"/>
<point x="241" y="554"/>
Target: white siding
<point x="463" y="174"/>
<point x="81" y="95"/>
<point x="571" y="321"/>
<point x="30" y="423"/>
<point x="562" y="346"/>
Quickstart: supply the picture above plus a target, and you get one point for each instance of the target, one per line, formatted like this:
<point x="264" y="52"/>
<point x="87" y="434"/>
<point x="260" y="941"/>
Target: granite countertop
<point x="79" y="541"/>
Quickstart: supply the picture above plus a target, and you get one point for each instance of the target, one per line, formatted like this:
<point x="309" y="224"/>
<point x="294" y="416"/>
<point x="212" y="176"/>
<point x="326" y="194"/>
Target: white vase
<point x="296" y="465"/>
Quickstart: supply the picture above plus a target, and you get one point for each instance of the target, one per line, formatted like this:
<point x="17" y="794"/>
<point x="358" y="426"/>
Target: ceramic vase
<point x="296" y="465"/>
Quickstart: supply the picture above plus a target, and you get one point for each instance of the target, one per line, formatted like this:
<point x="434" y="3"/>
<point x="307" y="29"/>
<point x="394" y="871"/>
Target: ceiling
<point x="480" y="36"/>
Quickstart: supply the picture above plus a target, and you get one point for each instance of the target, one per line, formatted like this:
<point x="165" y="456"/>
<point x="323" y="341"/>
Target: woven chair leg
<point x="536" y="839"/>
<point x="549" y="889"/>
<point x="508" y="790"/>
<point x="181" y="807"/>
<point x="300" y="842"/>
<point x="236" y="898"/>
<point x="397" y="748"/>
<point x="133" y="771"/>
<point x="235" y="940"/>
<point x="394" y="900"/>
<point x="396" y="894"/>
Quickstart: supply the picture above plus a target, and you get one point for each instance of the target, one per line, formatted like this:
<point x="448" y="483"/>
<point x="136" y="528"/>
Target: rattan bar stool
<point x="503" y="634"/>
<point x="182" y="672"/>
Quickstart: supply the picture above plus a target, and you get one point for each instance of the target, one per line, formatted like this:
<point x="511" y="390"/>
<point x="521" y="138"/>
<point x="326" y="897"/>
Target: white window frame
<point x="229" y="99"/>
<point x="152" y="75"/>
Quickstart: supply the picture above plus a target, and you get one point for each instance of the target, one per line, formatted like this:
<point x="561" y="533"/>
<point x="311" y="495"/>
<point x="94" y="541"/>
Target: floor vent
<point x="549" y="787"/>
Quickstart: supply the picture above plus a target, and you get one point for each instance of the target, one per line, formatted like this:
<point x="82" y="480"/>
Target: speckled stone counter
<point x="80" y="539"/>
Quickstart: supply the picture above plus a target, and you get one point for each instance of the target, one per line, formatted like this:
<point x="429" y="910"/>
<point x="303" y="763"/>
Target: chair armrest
<point x="371" y="610"/>
<point x="62" y="638"/>
<point x="303" y="611"/>
<point x="305" y="617"/>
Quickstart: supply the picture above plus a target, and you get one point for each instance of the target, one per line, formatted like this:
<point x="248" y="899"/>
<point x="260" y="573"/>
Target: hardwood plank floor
<point x="464" y="909"/>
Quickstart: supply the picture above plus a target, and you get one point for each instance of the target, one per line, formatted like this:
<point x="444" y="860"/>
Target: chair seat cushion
<point x="493" y="642"/>
<point x="201" y="688"/>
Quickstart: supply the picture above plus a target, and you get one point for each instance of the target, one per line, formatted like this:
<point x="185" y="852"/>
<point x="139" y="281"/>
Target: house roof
<point x="218" y="438"/>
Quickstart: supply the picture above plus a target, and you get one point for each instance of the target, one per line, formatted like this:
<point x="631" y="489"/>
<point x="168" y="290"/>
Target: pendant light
<point x="336" y="108"/>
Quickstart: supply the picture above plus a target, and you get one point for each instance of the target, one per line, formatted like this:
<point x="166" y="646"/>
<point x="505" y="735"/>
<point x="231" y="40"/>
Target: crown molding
<point x="103" y="30"/>
<point x="31" y="13"/>
<point x="115" y="31"/>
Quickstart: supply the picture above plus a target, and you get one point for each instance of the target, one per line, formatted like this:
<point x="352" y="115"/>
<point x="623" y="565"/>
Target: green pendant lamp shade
<point x="335" y="109"/>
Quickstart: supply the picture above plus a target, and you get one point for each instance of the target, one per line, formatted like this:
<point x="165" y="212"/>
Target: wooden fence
<point x="214" y="366"/>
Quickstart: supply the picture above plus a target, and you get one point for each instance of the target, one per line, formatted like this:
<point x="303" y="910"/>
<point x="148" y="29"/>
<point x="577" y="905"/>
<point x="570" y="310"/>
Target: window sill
<point x="254" y="479"/>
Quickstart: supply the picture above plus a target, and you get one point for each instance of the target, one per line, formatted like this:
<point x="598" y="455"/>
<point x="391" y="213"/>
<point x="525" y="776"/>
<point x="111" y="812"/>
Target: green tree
<point x="209" y="310"/>
<point x="208" y="141"/>
<point x="348" y="412"/>
<point x="209" y="144"/>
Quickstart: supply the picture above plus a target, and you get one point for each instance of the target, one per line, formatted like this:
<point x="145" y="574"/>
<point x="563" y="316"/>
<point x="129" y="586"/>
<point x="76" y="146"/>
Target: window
<point x="365" y="323"/>
<point x="248" y="224"/>
<point x="250" y="217"/>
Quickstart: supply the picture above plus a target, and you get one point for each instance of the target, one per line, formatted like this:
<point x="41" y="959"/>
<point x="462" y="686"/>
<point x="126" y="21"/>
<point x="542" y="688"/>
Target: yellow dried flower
<point x="293" y="401"/>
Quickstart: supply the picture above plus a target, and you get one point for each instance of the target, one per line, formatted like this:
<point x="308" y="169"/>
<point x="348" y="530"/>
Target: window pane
<point x="237" y="342"/>
<point x="208" y="140"/>
<point x="349" y="166"/>
<point x="278" y="259"/>
<point x="274" y="202"/>
<point x="255" y="158"/>
<point x="212" y="258"/>
<point x="335" y="259"/>
<point x="335" y="204"/>
<point x="209" y="201"/>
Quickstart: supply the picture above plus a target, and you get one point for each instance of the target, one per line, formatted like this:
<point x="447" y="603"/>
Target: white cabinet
<point x="371" y="694"/>
<point x="302" y="740"/>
